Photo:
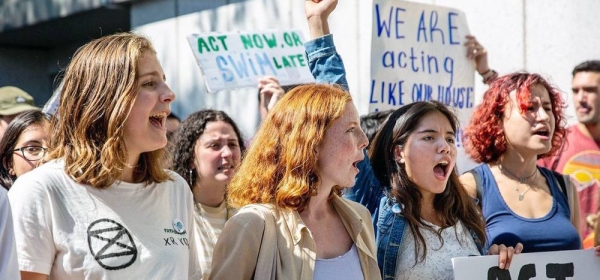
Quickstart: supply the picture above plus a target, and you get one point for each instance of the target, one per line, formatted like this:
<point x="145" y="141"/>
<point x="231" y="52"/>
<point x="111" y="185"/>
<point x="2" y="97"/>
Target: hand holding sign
<point x="505" y="254"/>
<point x="478" y="53"/>
<point x="270" y="92"/>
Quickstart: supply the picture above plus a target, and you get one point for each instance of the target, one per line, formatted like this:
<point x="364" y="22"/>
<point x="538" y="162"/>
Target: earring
<point x="402" y="160"/>
<point x="191" y="177"/>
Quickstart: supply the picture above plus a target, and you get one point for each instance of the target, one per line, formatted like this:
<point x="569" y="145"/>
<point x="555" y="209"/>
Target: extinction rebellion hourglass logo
<point x="111" y="244"/>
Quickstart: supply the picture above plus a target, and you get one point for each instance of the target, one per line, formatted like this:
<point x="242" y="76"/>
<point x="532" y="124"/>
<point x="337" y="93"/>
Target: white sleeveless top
<point x="346" y="266"/>
<point x="438" y="262"/>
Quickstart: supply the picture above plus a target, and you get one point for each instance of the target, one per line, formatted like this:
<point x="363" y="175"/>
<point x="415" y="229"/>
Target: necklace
<point x="521" y="181"/>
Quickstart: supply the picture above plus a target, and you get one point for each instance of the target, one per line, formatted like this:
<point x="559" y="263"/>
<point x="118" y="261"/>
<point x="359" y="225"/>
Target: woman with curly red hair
<point x="520" y="121"/>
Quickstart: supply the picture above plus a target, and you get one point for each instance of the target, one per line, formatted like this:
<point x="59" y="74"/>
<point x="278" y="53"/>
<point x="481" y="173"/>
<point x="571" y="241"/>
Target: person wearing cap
<point x="13" y="101"/>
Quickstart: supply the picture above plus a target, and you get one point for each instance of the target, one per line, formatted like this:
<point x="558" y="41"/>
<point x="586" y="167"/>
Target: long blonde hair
<point x="99" y="90"/>
<point x="280" y="165"/>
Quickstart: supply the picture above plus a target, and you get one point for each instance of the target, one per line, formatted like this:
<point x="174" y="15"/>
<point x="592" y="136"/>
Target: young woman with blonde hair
<point x="293" y="224"/>
<point x="103" y="206"/>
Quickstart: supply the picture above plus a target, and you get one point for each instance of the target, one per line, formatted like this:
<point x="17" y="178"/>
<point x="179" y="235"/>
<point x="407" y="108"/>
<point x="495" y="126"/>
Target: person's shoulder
<point x="175" y="177"/>
<point x="175" y="181"/>
<point x="360" y="209"/>
<point x="3" y="195"/>
<point x="251" y="217"/>
<point x="176" y="184"/>
<point x="573" y="132"/>
<point x="41" y="177"/>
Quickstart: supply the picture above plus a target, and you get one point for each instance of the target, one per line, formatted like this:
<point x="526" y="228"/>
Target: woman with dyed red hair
<point x="520" y="121"/>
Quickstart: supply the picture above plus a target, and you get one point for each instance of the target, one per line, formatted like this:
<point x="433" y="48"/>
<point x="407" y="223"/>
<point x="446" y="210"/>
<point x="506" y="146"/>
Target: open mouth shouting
<point x="544" y="132"/>
<point x="442" y="169"/>
<point x="355" y="164"/>
<point x="159" y="120"/>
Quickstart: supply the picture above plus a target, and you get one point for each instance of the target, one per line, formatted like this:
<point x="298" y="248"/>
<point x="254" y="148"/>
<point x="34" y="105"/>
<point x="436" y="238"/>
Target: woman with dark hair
<point x="426" y="214"/>
<point x="206" y="150"/>
<point x="21" y="149"/>
<point x="520" y="121"/>
<point x="23" y="145"/>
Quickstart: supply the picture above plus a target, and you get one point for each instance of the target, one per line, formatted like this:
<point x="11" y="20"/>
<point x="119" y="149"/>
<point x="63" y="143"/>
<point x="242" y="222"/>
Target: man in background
<point x="580" y="154"/>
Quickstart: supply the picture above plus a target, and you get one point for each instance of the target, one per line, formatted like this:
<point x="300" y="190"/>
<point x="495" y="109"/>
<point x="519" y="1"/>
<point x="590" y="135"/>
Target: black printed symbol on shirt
<point x="111" y="244"/>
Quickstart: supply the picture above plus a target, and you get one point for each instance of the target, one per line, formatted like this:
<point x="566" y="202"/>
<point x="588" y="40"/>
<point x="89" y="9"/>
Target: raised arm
<point x="324" y="62"/>
<point x="479" y="55"/>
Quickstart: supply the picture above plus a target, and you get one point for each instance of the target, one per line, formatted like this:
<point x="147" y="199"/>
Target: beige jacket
<point x="290" y="250"/>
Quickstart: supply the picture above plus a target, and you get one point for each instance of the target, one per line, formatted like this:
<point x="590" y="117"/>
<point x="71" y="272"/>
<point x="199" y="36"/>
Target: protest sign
<point x="417" y="54"/>
<point x="575" y="264"/>
<point x="235" y="60"/>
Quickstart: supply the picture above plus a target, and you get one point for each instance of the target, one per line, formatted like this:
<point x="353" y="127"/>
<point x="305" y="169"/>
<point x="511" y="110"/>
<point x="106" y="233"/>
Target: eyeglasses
<point x="32" y="153"/>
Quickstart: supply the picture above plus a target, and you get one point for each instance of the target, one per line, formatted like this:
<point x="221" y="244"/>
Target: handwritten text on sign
<point x="234" y="60"/>
<point x="417" y="54"/>
<point x="575" y="265"/>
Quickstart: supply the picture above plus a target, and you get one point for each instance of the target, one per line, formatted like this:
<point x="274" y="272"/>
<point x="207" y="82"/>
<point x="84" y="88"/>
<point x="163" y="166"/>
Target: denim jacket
<point x="325" y="63"/>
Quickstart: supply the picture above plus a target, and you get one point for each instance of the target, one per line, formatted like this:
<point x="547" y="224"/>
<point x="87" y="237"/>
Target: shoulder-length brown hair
<point x="280" y="166"/>
<point x="99" y="90"/>
<point x="453" y="204"/>
<point x="484" y="136"/>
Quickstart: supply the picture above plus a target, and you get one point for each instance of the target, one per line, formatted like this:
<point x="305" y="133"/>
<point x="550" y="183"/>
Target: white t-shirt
<point x="8" y="252"/>
<point x="438" y="262"/>
<point x="127" y="231"/>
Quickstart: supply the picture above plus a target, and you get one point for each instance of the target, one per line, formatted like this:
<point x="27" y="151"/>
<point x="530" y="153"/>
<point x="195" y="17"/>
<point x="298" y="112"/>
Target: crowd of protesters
<point x="115" y="186"/>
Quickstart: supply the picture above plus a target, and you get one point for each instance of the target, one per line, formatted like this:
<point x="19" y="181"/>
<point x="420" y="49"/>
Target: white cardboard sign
<point x="239" y="59"/>
<point x="417" y="54"/>
<point x="568" y="265"/>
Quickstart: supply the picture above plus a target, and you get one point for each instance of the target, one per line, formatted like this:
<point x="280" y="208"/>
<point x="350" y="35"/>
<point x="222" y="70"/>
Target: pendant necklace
<point x="522" y="180"/>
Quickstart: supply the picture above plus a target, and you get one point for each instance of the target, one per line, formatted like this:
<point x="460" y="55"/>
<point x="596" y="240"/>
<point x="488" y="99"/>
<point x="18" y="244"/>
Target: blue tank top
<point x="552" y="232"/>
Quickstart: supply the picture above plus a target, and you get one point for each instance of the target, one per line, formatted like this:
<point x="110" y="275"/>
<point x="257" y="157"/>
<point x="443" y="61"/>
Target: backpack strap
<point x="567" y="189"/>
<point x="561" y="182"/>
<point x="478" y="187"/>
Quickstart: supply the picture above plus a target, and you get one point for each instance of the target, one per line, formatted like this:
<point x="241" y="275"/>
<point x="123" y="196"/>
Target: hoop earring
<point x="191" y="177"/>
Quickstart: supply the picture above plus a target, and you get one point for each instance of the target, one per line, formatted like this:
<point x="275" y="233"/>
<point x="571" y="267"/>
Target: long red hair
<point x="280" y="166"/>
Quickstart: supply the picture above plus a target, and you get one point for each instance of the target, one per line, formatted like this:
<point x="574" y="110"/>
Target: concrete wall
<point x="545" y="36"/>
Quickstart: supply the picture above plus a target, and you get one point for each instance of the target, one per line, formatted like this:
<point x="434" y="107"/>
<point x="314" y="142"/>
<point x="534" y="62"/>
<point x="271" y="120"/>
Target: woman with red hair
<point x="293" y="222"/>
<point x="520" y="121"/>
